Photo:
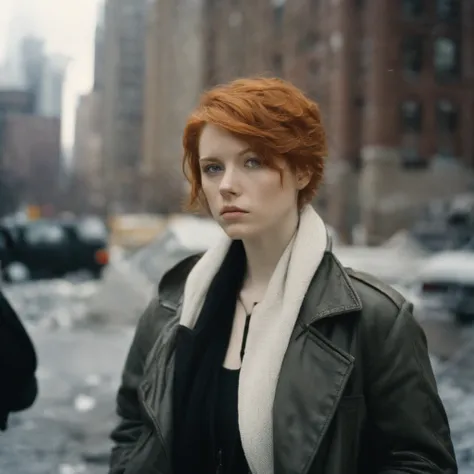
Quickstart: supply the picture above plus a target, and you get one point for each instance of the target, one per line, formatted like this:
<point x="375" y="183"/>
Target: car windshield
<point x="44" y="234"/>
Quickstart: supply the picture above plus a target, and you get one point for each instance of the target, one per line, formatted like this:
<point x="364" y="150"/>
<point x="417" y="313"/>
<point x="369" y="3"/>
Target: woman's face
<point x="245" y="197"/>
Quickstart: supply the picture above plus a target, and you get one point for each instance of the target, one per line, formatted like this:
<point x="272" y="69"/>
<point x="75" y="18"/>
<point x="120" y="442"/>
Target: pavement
<point x="67" y="430"/>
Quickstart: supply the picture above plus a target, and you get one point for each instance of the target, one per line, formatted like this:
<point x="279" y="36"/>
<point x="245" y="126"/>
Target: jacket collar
<point x="331" y="291"/>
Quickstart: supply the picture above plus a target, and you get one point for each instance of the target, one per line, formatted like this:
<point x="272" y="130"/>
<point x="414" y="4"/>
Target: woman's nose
<point x="229" y="184"/>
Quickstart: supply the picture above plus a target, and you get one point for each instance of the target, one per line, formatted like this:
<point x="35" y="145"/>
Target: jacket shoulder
<point x="383" y="308"/>
<point x="171" y="285"/>
<point x="382" y="305"/>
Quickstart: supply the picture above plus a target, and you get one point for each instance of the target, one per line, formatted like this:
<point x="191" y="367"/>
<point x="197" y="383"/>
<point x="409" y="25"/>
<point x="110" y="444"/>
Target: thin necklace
<point x="247" y="312"/>
<point x="246" y="328"/>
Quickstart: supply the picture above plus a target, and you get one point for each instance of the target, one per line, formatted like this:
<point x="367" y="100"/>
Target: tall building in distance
<point x="394" y="80"/>
<point x="50" y="94"/>
<point x="20" y="27"/>
<point x="120" y="63"/>
<point x="31" y="59"/>
<point x="176" y="63"/>
<point x="87" y="153"/>
<point x="99" y="57"/>
<point x="31" y="88"/>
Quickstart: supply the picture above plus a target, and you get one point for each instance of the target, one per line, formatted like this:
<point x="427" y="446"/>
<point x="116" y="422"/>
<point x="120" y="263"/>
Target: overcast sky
<point x="68" y="28"/>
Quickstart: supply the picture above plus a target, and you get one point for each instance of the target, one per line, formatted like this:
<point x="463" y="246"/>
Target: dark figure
<point x="18" y="384"/>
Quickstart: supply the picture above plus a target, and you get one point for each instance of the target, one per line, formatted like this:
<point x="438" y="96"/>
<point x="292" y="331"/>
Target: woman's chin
<point x="238" y="230"/>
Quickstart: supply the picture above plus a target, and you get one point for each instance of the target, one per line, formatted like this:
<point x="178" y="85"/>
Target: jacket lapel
<point x="314" y="372"/>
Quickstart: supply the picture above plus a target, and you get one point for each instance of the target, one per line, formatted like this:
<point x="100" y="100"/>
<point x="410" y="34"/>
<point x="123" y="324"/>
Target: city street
<point x="66" y="432"/>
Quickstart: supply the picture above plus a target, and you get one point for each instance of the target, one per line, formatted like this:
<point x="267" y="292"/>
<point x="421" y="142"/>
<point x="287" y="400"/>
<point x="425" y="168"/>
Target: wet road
<point x="66" y="432"/>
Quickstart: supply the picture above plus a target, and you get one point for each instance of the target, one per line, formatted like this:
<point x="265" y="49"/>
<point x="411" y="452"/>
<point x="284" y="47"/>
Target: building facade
<point x="31" y="155"/>
<point x="174" y="80"/>
<point x="121" y="85"/>
<point x="394" y="80"/>
<point x="87" y="153"/>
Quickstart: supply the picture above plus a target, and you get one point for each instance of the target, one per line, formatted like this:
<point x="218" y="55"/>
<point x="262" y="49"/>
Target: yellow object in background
<point x="33" y="212"/>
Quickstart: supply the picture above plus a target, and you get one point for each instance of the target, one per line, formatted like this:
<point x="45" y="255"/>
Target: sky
<point x="68" y="28"/>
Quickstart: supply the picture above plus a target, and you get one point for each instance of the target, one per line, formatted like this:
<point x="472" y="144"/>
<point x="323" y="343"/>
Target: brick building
<point x="394" y="79"/>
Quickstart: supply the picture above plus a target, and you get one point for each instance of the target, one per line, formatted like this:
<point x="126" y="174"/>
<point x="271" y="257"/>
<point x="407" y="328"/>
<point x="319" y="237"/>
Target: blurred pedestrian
<point x="265" y="355"/>
<point x="18" y="384"/>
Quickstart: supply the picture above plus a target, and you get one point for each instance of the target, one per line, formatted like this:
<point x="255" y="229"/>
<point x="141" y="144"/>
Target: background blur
<point x="93" y="100"/>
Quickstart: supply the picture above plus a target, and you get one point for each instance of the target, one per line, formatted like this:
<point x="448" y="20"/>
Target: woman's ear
<point x="303" y="177"/>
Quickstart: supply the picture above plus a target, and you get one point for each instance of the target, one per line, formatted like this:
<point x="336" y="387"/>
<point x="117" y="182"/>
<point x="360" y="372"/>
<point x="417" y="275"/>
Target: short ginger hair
<point x="272" y="116"/>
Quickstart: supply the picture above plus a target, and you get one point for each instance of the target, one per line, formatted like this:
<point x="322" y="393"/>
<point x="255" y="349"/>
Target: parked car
<point x="48" y="248"/>
<point x="446" y="224"/>
<point x="445" y="282"/>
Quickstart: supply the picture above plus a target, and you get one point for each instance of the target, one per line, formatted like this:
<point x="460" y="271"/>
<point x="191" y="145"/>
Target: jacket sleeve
<point x="18" y="364"/>
<point x="403" y="403"/>
<point x="129" y="428"/>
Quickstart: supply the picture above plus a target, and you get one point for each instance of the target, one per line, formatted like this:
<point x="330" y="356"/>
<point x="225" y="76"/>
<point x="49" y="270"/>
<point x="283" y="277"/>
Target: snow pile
<point x="129" y="283"/>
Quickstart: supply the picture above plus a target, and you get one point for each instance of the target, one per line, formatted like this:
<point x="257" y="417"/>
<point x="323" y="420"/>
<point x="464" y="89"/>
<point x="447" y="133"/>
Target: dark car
<point x="48" y="248"/>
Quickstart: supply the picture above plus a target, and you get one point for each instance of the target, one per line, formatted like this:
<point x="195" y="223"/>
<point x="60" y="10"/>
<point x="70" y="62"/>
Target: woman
<point x="265" y="355"/>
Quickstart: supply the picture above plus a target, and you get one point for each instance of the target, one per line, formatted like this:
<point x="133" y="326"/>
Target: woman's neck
<point x="263" y="254"/>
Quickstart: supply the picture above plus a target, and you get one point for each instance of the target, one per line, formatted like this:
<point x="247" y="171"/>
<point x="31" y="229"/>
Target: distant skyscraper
<point x="32" y="61"/>
<point x="49" y="101"/>
<point x="21" y="25"/>
<point x="99" y="49"/>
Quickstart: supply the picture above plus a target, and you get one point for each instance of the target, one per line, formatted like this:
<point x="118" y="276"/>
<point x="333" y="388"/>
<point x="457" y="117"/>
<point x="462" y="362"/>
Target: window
<point x="44" y="234"/>
<point x="411" y="116"/>
<point x="278" y="12"/>
<point x="308" y="42"/>
<point x="359" y="102"/>
<point x="446" y="58"/>
<point x="412" y="54"/>
<point x="448" y="10"/>
<point x="91" y="229"/>
<point x="313" y="67"/>
<point x="409" y="151"/>
<point x="411" y="124"/>
<point x="365" y="55"/>
<point x="412" y="8"/>
<point x="447" y="122"/>
<point x="278" y="64"/>
<point x="446" y="116"/>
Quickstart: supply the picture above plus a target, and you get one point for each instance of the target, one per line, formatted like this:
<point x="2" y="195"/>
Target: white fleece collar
<point x="270" y="329"/>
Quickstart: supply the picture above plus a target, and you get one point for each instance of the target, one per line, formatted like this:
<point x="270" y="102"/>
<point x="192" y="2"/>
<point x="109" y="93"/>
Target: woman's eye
<point x="253" y="163"/>
<point x="211" y="169"/>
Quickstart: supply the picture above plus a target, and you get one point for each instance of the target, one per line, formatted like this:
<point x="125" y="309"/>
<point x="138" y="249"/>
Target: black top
<point x="230" y="454"/>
